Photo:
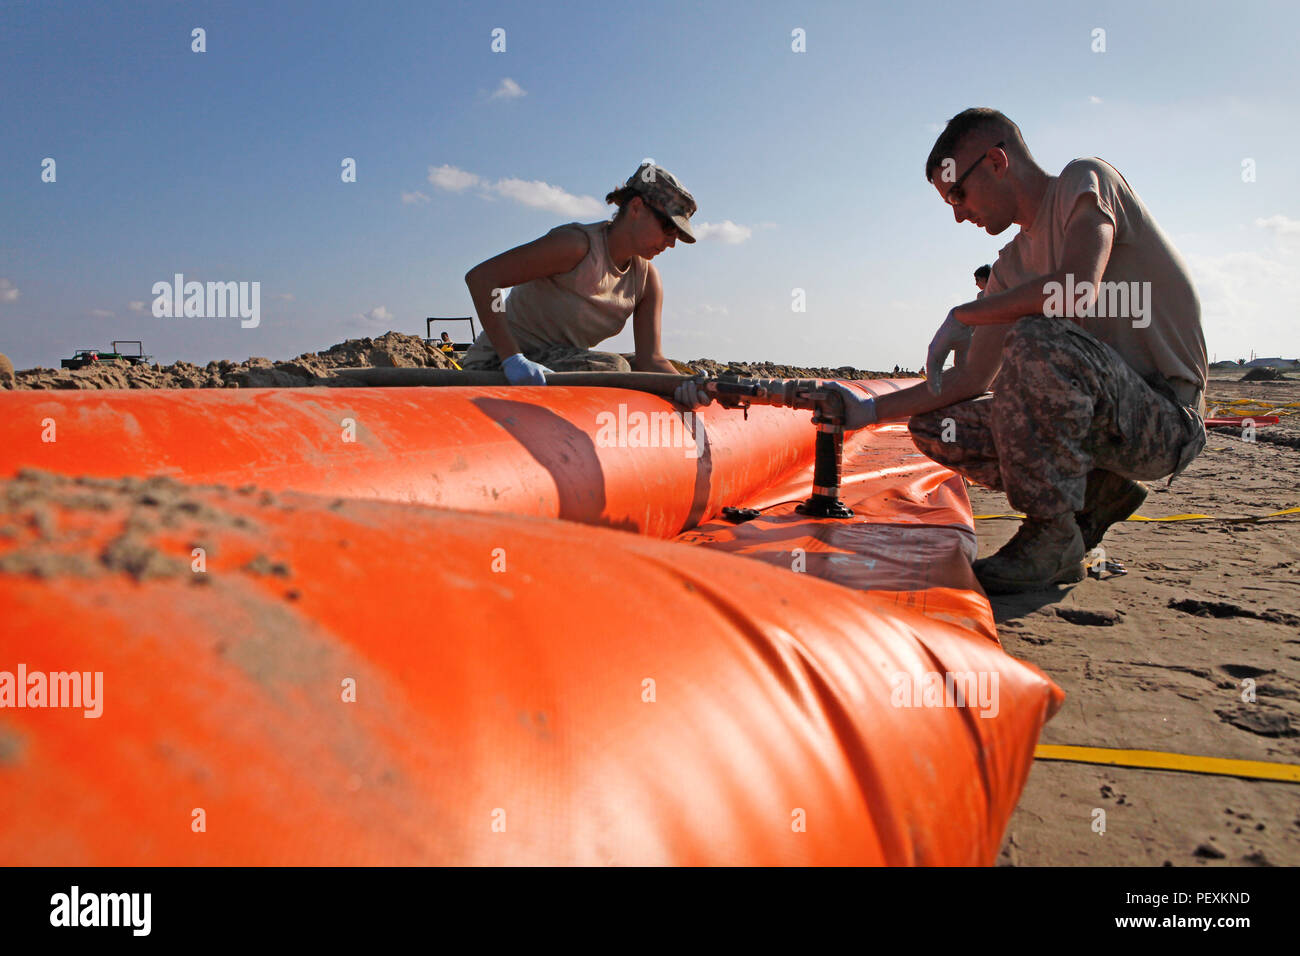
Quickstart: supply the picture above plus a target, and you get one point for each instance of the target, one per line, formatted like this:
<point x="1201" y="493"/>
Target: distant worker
<point x="445" y="343"/>
<point x="982" y="278"/>
<point x="577" y="285"/>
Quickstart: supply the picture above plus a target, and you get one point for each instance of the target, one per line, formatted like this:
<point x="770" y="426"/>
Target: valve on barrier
<point x="828" y="417"/>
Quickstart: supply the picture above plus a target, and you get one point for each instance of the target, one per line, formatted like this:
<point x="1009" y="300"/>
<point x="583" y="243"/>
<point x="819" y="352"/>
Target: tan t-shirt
<point x="1158" y="331"/>
<point x="582" y="307"/>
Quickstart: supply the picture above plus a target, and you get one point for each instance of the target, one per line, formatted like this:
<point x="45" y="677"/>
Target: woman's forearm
<point x="484" y="296"/>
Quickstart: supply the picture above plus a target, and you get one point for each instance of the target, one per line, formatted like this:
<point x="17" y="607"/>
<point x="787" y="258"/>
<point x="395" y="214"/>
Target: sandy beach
<point x="1155" y="660"/>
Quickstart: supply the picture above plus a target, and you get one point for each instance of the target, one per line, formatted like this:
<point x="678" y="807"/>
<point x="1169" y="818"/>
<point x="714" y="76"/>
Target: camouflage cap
<point x="660" y="189"/>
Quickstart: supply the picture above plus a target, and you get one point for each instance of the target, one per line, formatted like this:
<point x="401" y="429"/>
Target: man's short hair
<point x="977" y="119"/>
<point x="983" y="272"/>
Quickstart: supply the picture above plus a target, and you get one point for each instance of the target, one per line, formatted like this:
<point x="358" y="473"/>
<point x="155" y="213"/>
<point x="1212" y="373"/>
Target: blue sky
<point x="808" y="167"/>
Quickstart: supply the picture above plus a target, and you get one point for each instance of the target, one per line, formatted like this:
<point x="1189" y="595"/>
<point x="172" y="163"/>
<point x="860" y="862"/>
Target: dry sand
<point x="1153" y="674"/>
<point x="391" y="350"/>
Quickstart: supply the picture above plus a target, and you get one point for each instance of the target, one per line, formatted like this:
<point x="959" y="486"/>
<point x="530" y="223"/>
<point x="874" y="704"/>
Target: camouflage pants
<point x="558" y="358"/>
<point x="1064" y="403"/>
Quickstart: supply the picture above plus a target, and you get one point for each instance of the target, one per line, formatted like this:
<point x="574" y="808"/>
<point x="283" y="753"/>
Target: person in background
<point x="982" y="279"/>
<point x="577" y="286"/>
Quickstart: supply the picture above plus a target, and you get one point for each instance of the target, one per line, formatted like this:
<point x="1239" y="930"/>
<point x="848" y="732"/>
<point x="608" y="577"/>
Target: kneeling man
<point x="1089" y="333"/>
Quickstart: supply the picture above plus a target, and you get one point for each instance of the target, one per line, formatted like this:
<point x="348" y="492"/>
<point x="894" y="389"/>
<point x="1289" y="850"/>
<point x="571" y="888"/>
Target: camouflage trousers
<point x="558" y="358"/>
<point x="1063" y="404"/>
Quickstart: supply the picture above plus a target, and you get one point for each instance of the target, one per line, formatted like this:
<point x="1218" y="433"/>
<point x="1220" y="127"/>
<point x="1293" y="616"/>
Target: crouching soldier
<point x="1091" y="327"/>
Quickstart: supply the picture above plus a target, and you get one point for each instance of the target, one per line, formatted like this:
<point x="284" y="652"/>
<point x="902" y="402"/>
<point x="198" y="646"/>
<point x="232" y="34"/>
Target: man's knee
<point x="926" y="423"/>
<point x="934" y="435"/>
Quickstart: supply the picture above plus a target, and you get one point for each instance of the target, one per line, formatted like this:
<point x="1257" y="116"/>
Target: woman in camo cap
<point x="577" y="285"/>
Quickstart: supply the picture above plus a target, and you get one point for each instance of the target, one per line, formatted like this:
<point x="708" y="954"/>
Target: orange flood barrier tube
<point x="611" y="457"/>
<point x="286" y="679"/>
<point x="909" y="544"/>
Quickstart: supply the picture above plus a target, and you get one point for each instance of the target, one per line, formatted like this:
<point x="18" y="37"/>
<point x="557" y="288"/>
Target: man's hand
<point x="691" y="393"/>
<point x="952" y="337"/>
<point x="522" y="371"/>
<point x="859" y="409"/>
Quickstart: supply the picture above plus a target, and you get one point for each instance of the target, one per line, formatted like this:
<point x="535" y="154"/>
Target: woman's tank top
<point x="581" y="307"/>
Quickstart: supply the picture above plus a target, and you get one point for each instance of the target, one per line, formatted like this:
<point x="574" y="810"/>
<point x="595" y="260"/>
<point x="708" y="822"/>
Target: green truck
<point x="84" y="357"/>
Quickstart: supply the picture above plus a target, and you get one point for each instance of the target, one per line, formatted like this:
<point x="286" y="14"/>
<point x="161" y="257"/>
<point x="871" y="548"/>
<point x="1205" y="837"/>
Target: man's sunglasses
<point x="957" y="195"/>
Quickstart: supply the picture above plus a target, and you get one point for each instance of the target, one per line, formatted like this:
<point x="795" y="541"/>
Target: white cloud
<point x="533" y="193"/>
<point x="451" y="178"/>
<point x="1094" y="100"/>
<point x="8" y="291"/>
<point x="1280" y="224"/>
<point x="934" y="127"/>
<point x="414" y="198"/>
<point x="542" y="195"/>
<point x="1247" y="299"/>
<point x="509" y="90"/>
<point x="378" y="314"/>
<point x="101" y="313"/>
<point x="725" y="231"/>
<point x="136" y="306"/>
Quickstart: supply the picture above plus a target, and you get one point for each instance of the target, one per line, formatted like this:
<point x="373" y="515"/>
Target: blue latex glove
<point x="522" y="371"/>
<point x="859" y="409"/>
<point x="691" y="393"/>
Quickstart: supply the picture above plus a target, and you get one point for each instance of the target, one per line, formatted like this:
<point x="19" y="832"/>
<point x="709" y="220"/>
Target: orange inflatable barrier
<point x="288" y="679"/>
<point x="612" y="457"/>
<point x="909" y="544"/>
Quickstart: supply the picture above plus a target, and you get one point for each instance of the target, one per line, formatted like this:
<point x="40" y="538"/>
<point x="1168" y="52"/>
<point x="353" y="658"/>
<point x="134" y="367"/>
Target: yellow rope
<point x="1186" y="517"/>
<point x="1158" y="760"/>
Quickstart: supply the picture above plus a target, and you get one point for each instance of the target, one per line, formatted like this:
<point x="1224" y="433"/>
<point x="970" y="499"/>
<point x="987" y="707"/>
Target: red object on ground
<point x="1234" y="421"/>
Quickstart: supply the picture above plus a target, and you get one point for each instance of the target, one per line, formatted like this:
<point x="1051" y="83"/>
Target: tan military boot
<point x="1109" y="498"/>
<point x="1044" y="552"/>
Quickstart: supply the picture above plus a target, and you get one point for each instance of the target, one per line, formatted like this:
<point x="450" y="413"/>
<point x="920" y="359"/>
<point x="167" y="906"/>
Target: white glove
<point x="522" y="371"/>
<point x="859" y="409"/>
<point x="692" y="394"/>
<point x="953" y="336"/>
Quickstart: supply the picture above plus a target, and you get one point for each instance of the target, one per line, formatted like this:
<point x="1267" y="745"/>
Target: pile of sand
<point x="772" y="370"/>
<point x="392" y="350"/>
<point x="1265" y="374"/>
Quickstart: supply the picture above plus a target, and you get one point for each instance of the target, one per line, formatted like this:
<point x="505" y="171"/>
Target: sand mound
<point x="392" y="350"/>
<point x="1264" y="374"/>
<point x="772" y="370"/>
